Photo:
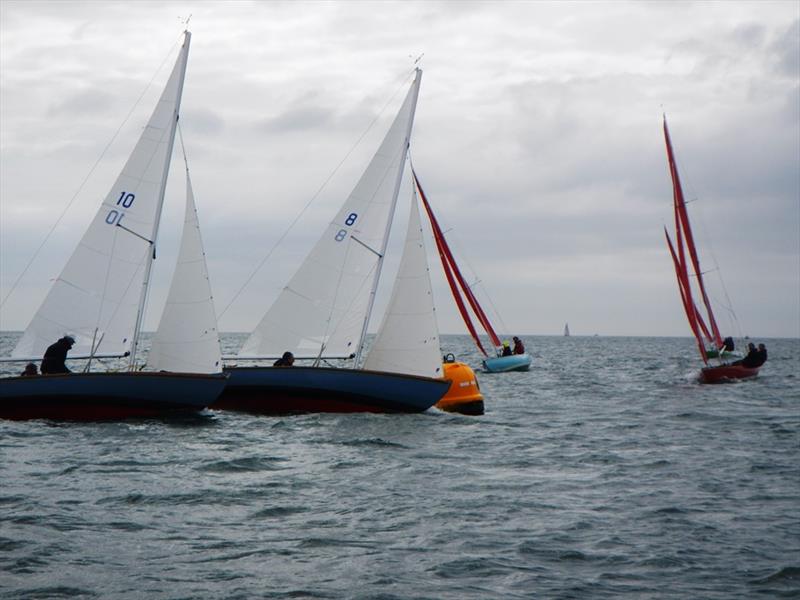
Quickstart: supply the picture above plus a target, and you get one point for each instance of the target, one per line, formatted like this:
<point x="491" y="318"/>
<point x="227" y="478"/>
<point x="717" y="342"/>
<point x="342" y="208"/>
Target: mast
<point x="384" y="243"/>
<point x="152" y="254"/>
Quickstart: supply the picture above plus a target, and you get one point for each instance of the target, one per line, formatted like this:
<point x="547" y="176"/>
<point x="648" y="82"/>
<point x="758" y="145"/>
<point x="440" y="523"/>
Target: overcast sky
<point x="537" y="138"/>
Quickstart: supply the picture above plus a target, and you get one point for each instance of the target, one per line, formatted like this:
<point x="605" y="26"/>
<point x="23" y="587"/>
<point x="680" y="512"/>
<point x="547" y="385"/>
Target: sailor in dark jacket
<point x="762" y="355"/>
<point x="752" y="359"/>
<point x="55" y="355"/>
<point x="287" y="360"/>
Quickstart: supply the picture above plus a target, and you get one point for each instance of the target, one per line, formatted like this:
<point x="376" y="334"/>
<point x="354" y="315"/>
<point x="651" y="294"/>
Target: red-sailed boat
<point x="705" y="334"/>
<point x="493" y="363"/>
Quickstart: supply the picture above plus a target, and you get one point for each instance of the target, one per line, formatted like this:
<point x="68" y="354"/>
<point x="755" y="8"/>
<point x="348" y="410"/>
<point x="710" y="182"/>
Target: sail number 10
<point x="342" y="233"/>
<point x="114" y="216"/>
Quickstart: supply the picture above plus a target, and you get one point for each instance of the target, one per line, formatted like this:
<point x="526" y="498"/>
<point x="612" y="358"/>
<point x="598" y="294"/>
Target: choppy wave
<point x="604" y="472"/>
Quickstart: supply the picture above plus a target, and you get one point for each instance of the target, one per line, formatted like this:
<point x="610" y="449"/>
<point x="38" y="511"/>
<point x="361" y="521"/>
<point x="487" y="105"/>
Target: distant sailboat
<point x="100" y="296"/>
<point x="494" y="364"/>
<point x="566" y="329"/>
<point x="704" y="333"/>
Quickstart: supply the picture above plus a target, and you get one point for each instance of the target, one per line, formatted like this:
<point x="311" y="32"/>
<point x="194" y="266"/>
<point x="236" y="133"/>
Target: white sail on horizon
<point x="408" y="338"/>
<point x="187" y="339"/>
<point x="97" y="297"/>
<point x="323" y="309"/>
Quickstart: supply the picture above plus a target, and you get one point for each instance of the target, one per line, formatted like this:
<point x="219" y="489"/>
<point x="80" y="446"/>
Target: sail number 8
<point x="342" y="233"/>
<point x="114" y="217"/>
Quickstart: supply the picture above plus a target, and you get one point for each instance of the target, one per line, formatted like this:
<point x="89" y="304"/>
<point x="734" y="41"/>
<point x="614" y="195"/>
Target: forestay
<point x="97" y="296"/>
<point x="187" y="339"/>
<point x="324" y="308"/>
<point x="408" y="338"/>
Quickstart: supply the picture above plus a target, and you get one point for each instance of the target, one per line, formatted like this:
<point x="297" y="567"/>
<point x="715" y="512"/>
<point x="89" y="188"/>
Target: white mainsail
<point x="187" y="339"/>
<point x="408" y="338"/>
<point x="324" y="309"/>
<point x="99" y="295"/>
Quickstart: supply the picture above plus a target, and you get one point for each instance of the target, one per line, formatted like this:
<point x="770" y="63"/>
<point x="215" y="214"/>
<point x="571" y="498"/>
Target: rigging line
<point x="86" y="178"/>
<point x="478" y="282"/>
<point x="496" y="315"/>
<point x="314" y="197"/>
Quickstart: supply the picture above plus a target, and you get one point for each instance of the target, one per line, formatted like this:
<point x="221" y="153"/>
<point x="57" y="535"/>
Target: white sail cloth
<point x="408" y="338"/>
<point x="325" y="304"/>
<point x="187" y="339"/>
<point x="96" y="297"/>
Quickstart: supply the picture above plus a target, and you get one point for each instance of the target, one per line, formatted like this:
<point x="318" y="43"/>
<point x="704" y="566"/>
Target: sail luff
<point x="682" y="216"/>
<point x="398" y="180"/>
<point x="160" y="205"/>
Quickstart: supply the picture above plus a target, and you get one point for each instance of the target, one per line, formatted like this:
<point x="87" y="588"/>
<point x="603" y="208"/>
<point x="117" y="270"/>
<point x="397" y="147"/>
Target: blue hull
<point x="501" y="364"/>
<point x="293" y="390"/>
<point x="104" y="396"/>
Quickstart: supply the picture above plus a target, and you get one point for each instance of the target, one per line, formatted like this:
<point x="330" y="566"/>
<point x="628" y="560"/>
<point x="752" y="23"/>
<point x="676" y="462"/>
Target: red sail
<point x="682" y="223"/>
<point x="451" y="270"/>
<point x="686" y="298"/>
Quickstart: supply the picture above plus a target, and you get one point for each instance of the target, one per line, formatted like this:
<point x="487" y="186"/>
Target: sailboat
<point x="566" y="329"/>
<point x="493" y="364"/>
<point x="100" y="296"/>
<point x="323" y="312"/>
<point x="706" y="333"/>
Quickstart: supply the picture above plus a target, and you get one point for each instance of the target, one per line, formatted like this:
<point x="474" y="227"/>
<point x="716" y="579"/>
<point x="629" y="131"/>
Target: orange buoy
<point x="464" y="395"/>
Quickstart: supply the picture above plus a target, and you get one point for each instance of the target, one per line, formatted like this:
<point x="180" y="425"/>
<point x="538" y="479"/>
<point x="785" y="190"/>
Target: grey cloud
<point x="787" y="51"/>
<point x="302" y="118"/>
<point x="86" y="102"/>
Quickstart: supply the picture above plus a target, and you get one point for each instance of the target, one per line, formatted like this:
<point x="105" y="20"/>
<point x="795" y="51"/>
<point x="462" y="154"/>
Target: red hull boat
<point x="727" y="373"/>
<point x="685" y="258"/>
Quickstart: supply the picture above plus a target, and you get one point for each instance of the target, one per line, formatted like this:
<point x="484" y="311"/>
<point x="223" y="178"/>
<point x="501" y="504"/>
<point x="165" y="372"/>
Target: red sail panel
<point x="454" y="290"/>
<point x="448" y="256"/>
<point x="682" y="222"/>
<point x="686" y="298"/>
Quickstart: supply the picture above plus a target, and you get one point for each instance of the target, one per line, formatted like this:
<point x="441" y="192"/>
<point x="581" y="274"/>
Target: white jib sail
<point x="96" y="297"/>
<point x="408" y="338"/>
<point x="187" y="339"/>
<point x="326" y="301"/>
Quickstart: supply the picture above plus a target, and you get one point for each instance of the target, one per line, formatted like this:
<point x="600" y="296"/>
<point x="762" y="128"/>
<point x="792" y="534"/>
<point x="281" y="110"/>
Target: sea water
<point x="605" y="471"/>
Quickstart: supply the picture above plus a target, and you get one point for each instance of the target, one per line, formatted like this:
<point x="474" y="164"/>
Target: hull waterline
<point x="296" y="390"/>
<point x="107" y="396"/>
<point x="502" y="364"/>
<point x="726" y="373"/>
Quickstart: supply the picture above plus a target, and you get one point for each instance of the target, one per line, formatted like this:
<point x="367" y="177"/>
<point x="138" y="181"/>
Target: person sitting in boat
<point x="30" y="371"/>
<point x="287" y="360"/>
<point x="519" y="348"/>
<point x="762" y="354"/>
<point x="728" y="345"/>
<point x="751" y="360"/>
<point x="55" y="355"/>
<point x="506" y="349"/>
